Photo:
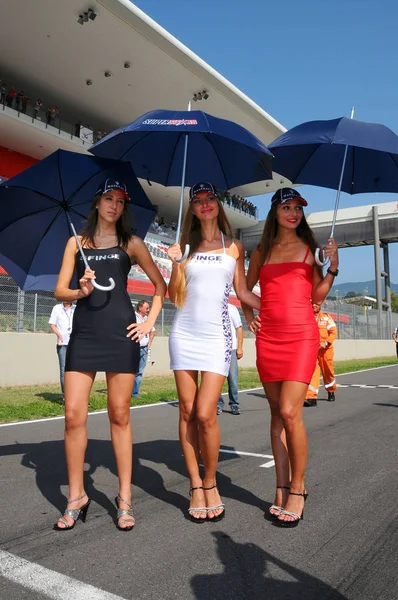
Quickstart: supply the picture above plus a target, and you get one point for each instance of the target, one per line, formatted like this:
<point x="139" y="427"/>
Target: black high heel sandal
<point x="296" y="516"/>
<point x="200" y="509"/>
<point x="122" y="512"/>
<point x="213" y="508"/>
<point x="274" y="506"/>
<point x="74" y="514"/>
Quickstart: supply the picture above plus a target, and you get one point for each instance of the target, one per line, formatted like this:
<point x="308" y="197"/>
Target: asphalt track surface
<point x="345" y="549"/>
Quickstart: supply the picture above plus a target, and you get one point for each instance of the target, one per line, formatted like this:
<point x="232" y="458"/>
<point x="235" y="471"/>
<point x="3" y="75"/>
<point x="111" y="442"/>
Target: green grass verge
<point x="24" y="403"/>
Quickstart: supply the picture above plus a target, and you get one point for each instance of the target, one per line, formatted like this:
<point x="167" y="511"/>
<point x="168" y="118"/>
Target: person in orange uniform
<point x="325" y="363"/>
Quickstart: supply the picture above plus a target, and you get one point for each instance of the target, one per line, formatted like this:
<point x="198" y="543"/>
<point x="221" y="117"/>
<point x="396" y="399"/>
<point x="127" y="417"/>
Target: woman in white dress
<point x="201" y="340"/>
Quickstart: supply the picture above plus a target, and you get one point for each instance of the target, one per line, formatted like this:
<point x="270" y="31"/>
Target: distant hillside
<point x="359" y="286"/>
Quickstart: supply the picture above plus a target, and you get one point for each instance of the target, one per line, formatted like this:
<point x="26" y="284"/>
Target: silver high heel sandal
<point x="275" y="506"/>
<point x="74" y="514"/>
<point x="214" y="508"/>
<point x="121" y="512"/>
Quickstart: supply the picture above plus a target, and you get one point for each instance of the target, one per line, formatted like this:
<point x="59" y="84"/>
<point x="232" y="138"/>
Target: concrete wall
<point x="29" y="359"/>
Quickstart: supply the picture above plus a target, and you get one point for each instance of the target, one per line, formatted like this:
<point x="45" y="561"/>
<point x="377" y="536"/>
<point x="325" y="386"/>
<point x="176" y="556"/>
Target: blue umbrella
<point x="219" y="151"/>
<point x="341" y="154"/>
<point x="43" y="205"/>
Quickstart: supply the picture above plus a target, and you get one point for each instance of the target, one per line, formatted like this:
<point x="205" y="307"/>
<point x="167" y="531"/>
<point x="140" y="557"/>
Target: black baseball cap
<point x="285" y="194"/>
<point x="202" y="186"/>
<point x="112" y="184"/>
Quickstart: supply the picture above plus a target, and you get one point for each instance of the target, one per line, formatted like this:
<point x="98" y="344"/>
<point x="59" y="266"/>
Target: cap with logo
<point x="285" y="194"/>
<point x="202" y="186"/>
<point x="112" y="184"/>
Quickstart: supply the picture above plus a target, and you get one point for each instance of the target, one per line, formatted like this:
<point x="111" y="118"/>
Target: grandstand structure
<point x="61" y="54"/>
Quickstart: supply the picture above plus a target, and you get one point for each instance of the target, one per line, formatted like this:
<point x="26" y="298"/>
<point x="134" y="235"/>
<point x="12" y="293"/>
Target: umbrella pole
<point x="184" y="167"/>
<point x="336" y="205"/>
<point x="104" y="288"/>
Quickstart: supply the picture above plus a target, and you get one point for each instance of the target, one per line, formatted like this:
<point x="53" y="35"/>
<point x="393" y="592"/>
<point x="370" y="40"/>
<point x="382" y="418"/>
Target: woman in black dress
<point x="105" y="337"/>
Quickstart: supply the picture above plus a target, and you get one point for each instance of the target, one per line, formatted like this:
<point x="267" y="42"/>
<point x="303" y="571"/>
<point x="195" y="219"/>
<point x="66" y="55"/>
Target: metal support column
<point x="20" y="310"/>
<point x="387" y="284"/>
<point x="379" y="298"/>
<point x="35" y="315"/>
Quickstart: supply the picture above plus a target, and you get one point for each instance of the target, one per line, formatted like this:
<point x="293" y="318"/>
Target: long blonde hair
<point x="191" y="233"/>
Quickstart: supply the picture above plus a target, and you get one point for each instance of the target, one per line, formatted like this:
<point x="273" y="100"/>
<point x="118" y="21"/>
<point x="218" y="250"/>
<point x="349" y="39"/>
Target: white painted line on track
<point x="90" y="414"/>
<point x="239" y="453"/>
<point x="267" y="465"/>
<point x="49" y="583"/>
<point x="365" y="370"/>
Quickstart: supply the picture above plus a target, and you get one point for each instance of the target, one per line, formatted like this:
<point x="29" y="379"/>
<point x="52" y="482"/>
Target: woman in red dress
<point x="287" y="338"/>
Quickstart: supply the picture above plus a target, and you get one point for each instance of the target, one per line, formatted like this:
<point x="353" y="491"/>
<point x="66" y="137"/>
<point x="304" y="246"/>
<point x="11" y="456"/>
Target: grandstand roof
<point x="46" y="51"/>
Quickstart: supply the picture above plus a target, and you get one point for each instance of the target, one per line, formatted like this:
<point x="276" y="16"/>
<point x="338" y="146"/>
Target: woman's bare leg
<point x="187" y="389"/>
<point x="77" y="393"/>
<point x="209" y="433"/>
<point x="291" y="402"/>
<point x="278" y="443"/>
<point x="119" y="396"/>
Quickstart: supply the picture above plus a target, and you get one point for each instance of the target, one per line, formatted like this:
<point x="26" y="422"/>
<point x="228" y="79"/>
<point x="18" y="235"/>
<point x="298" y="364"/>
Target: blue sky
<point x="301" y="60"/>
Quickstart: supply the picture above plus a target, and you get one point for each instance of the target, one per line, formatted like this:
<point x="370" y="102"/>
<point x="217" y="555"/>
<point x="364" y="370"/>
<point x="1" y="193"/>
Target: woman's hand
<point x="174" y="252"/>
<point x="331" y="252"/>
<point x="136" y="331"/>
<point x="255" y="324"/>
<point x="85" y="282"/>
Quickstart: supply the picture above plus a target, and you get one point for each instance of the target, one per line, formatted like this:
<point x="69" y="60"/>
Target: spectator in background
<point x="100" y="134"/>
<point x="237" y="353"/>
<point x="37" y="108"/>
<point x="18" y="100"/>
<point x="77" y="128"/>
<point x="12" y="92"/>
<point x="54" y="114"/>
<point x="60" y="321"/>
<point x="25" y="101"/>
<point x="3" y="93"/>
<point x="141" y="315"/>
<point x="395" y="338"/>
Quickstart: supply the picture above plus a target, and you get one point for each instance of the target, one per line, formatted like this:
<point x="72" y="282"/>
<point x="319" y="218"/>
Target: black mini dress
<point x="98" y="340"/>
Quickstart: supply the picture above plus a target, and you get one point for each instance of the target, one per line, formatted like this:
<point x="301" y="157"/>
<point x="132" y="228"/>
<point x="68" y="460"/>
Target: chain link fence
<point x="29" y="312"/>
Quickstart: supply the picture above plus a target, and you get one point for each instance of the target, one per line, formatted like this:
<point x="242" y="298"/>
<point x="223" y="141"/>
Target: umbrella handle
<point x="104" y="288"/>
<point x="318" y="261"/>
<point x="184" y="256"/>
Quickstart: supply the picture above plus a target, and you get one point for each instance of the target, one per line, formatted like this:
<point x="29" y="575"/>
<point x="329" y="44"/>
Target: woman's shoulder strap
<point x="306" y="254"/>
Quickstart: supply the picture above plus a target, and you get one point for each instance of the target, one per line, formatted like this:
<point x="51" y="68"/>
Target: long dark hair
<point x="123" y="225"/>
<point x="191" y="233"/>
<point x="270" y="231"/>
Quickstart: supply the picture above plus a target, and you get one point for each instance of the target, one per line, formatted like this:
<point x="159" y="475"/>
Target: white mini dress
<point x="201" y="338"/>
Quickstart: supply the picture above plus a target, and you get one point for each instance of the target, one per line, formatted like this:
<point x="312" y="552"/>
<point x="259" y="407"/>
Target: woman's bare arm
<point x="63" y="293"/>
<point x="139" y="252"/>
<point x="245" y="295"/>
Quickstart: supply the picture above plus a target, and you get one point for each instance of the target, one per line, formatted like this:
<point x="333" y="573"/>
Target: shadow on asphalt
<point x="245" y="576"/>
<point x="48" y="461"/>
<point x="385" y="404"/>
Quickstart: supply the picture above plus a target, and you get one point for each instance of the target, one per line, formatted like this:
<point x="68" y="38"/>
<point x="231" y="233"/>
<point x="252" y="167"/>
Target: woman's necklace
<point x="104" y="240"/>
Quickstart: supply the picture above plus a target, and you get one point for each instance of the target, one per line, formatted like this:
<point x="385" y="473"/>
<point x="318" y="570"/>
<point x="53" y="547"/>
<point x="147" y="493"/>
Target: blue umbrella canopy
<point x="219" y="151"/>
<point x="313" y="153"/>
<point x="38" y="203"/>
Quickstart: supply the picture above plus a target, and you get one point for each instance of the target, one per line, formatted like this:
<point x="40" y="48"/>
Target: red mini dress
<point x="288" y="341"/>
